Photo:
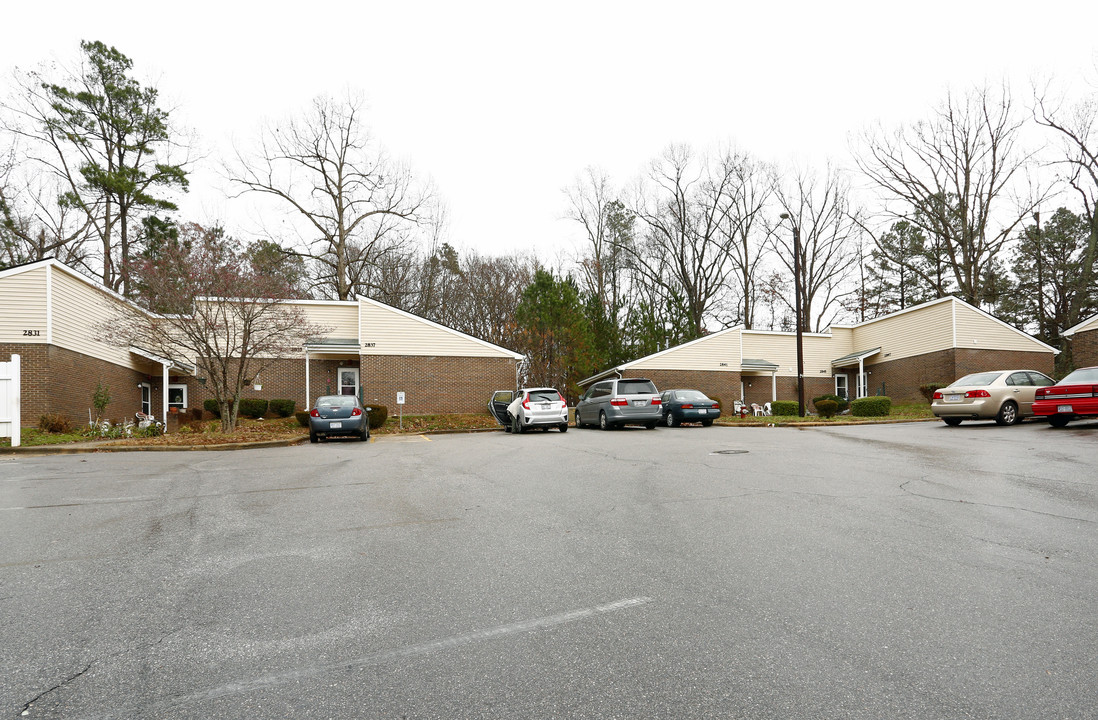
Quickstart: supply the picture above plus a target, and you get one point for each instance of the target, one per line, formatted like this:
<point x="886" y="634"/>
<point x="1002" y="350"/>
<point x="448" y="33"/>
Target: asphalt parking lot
<point x="890" y="571"/>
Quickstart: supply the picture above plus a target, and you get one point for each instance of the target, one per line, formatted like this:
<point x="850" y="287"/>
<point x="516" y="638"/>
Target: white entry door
<point x="862" y="384"/>
<point x="348" y="381"/>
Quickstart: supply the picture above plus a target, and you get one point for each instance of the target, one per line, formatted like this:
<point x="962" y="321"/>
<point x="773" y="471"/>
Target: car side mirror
<point x="369" y="409"/>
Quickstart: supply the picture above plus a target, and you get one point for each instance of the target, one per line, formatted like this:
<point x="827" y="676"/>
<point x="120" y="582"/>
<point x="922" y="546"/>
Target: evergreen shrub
<point x="879" y="406"/>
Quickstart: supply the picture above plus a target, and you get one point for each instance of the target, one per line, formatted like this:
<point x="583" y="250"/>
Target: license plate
<point x="335" y="425"/>
<point x="546" y="406"/>
<point x="702" y="411"/>
<point x="1063" y="408"/>
<point x="639" y="403"/>
<point x="954" y="398"/>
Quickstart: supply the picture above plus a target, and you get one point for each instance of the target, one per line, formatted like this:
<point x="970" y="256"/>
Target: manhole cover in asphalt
<point x="729" y="452"/>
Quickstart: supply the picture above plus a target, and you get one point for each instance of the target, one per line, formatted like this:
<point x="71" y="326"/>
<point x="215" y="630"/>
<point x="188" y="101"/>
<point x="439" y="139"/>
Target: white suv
<point x="538" y="407"/>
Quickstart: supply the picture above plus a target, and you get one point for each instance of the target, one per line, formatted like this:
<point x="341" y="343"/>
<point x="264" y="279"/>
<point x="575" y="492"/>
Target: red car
<point x="1073" y="398"/>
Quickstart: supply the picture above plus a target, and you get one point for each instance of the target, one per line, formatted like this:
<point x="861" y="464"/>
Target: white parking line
<point x="406" y="652"/>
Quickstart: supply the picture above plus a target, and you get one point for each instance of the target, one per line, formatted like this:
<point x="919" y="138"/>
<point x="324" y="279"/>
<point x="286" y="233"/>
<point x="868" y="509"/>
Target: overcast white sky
<point x="504" y="104"/>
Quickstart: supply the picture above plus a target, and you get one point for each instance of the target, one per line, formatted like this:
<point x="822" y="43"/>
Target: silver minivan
<point x="620" y="401"/>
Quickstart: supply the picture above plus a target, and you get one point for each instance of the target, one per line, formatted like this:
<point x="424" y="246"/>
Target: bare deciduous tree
<point x="950" y="175"/>
<point x="1077" y="129"/>
<point x="820" y="208"/>
<point x="354" y="203"/>
<point x="684" y="204"/>
<point x="33" y="224"/>
<point x="217" y="310"/>
<point x="751" y="190"/>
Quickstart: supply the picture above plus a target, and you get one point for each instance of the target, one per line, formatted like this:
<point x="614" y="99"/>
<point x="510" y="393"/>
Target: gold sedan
<point x="1005" y="396"/>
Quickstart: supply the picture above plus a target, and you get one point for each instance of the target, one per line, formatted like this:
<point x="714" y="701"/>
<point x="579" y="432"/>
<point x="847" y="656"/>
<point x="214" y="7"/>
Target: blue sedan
<point x="338" y="415"/>
<point x="691" y="406"/>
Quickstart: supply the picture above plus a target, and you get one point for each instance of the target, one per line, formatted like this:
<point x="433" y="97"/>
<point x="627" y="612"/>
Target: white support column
<point x="164" y="396"/>
<point x="861" y="383"/>
<point x="308" y="395"/>
<point x="773" y="386"/>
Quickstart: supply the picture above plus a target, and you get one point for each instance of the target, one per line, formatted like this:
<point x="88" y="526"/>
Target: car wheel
<point x="670" y="419"/>
<point x="1008" y="414"/>
<point x="545" y="429"/>
<point x="706" y="423"/>
<point x="603" y="425"/>
<point x="365" y="436"/>
<point x="651" y="425"/>
<point x="1058" y="421"/>
<point x="951" y="421"/>
<point x="313" y="438"/>
<point x="564" y="427"/>
<point x="516" y="426"/>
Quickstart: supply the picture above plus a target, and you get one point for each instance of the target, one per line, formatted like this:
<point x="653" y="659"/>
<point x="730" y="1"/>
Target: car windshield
<point x="336" y="401"/>
<point x="690" y="395"/>
<point x="984" y="378"/>
<point x="1082" y="375"/>
<point x="544" y="396"/>
<point x="636" y="387"/>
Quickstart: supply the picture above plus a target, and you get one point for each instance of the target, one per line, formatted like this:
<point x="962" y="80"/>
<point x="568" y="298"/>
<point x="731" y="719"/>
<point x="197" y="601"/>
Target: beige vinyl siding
<point x="916" y="332"/>
<point x="23" y="303"/>
<point x="385" y="331"/>
<point x="781" y="349"/>
<point x="79" y="309"/>
<point x="1087" y="325"/>
<point x="341" y="320"/>
<point x="718" y="352"/>
<point x="977" y="331"/>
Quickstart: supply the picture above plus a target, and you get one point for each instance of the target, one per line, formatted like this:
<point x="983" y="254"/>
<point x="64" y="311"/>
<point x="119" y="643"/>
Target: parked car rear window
<point x="636" y="387"/>
<point x="690" y="395"/>
<point x="1081" y="375"/>
<point x="336" y="401"/>
<point x="984" y="378"/>
<point x="544" y="396"/>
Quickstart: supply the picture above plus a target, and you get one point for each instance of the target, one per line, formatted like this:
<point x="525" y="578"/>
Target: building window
<point x="842" y="387"/>
<point x="348" y="381"/>
<point x="146" y="398"/>
<point x="863" y="383"/>
<point x="177" y="397"/>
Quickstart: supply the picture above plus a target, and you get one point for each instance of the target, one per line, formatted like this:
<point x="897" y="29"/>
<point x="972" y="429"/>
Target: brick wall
<point x="721" y="384"/>
<point x="1084" y="348"/>
<point x="435" y="384"/>
<point x="56" y="380"/>
<point x="901" y="378"/>
<point x="430" y="384"/>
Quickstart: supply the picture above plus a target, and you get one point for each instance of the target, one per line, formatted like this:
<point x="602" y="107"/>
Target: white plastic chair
<point x="766" y="409"/>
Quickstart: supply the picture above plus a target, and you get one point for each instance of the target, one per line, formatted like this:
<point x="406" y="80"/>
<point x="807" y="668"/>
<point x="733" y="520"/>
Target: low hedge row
<point x="255" y="407"/>
<point x="784" y="407"/>
<point x="878" y="406"/>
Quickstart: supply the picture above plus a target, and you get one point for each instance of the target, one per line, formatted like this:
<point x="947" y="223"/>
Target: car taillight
<point x="688" y="407"/>
<point x="657" y="401"/>
<point x="526" y="403"/>
<point x="561" y="398"/>
<point x="977" y="393"/>
<point x="937" y="394"/>
<point x="355" y="412"/>
<point x="314" y="412"/>
<point x="716" y="406"/>
<point x="1041" y="392"/>
<point x="619" y="402"/>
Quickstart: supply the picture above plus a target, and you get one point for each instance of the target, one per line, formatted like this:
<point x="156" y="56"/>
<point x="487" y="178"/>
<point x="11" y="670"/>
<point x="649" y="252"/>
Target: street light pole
<point x="797" y="301"/>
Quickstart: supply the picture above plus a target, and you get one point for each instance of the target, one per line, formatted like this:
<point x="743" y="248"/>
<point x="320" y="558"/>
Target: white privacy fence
<point x="9" y="400"/>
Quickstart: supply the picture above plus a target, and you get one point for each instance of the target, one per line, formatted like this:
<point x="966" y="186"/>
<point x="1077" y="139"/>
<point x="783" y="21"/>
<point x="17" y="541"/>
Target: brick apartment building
<point x="49" y="314"/>
<point x="936" y="342"/>
<point x="1084" y="343"/>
